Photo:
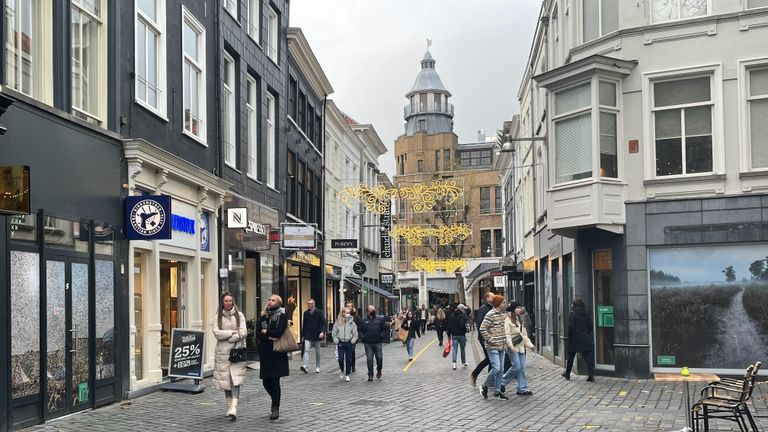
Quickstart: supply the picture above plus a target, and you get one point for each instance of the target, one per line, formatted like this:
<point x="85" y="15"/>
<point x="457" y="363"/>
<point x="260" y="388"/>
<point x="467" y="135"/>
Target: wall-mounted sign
<point x="257" y="228"/>
<point x="148" y="217"/>
<point x="237" y="217"/>
<point x="255" y="236"/>
<point x="14" y="190"/>
<point x="305" y="258"/>
<point x="387" y="281"/>
<point x="299" y="236"/>
<point x="385" y="221"/>
<point x="359" y="268"/>
<point x="182" y="224"/>
<point x="205" y="234"/>
<point x="343" y="243"/>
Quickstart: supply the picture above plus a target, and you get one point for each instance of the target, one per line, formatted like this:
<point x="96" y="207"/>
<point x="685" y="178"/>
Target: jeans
<point x="462" y="342"/>
<point x="496" y="357"/>
<point x="307" y="345"/>
<point x="409" y="345"/>
<point x="483" y="363"/>
<point x="346" y="354"/>
<point x="517" y="370"/>
<point x="371" y="350"/>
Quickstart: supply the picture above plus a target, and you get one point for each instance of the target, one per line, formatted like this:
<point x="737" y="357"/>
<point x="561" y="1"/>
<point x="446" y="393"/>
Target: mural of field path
<point x="740" y="343"/>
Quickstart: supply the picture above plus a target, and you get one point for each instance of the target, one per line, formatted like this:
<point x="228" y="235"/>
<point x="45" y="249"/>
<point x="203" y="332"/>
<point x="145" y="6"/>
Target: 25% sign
<point x="187" y="353"/>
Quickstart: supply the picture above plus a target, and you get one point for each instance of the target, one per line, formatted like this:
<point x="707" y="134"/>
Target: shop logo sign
<point x="148" y="217"/>
<point x="205" y="236"/>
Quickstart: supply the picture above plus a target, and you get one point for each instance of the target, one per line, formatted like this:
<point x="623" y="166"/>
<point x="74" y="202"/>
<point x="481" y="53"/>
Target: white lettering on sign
<point x="256" y="228"/>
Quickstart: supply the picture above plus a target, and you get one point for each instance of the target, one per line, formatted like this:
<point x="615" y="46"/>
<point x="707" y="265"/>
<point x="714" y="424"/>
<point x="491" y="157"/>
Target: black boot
<point x="566" y="376"/>
<point x="275" y="413"/>
<point x="591" y="378"/>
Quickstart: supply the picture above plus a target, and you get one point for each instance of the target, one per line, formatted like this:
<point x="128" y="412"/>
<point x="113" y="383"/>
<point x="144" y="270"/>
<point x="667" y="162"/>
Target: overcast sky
<point x="371" y="52"/>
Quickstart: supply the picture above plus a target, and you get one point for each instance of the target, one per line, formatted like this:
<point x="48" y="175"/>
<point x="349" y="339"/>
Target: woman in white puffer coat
<point x="229" y="329"/>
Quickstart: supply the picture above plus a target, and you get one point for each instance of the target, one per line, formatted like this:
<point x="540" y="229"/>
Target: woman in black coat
<point x="580" y="339"/>
<point x="274" y="365"/>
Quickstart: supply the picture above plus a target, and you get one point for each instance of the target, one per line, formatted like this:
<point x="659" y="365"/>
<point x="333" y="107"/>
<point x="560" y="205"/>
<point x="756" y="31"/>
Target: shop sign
<point x="343" y="243"/>
<point x="499" y="281"/>
<point x="205" y="232"/>
<point x="387" y="281"/>
<point x="385" y="221"/>
<point x="299" y="236"/>
<point x="359" y="268"/>
<point x="256" y="236"/>
<point x="305" y="258"/>
<point x="257" y="228"/>
<point x="182" y="224"/>
<point x="665" y="360"/>
<point x="237" y="217"/>
<point x="186" y="359"/>
<point x="148" y="217"/>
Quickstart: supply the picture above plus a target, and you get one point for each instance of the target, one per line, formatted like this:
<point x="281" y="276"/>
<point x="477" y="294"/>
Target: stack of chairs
<point x="727" y="399"/>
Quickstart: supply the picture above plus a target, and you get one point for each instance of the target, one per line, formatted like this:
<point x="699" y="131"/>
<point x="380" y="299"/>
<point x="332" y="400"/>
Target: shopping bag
<point x="447" y="349"/>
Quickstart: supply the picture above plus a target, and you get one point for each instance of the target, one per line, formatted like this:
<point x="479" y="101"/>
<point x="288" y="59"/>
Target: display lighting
<point x="423" y="196"/>
<point x="445" y="234"/>
<point x="448" y="265"/>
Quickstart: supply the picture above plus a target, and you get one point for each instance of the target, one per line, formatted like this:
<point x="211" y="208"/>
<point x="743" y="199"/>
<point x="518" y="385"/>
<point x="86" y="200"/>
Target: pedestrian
<point x="492" y="329"/>
<point x="229" y="329"/>
<point x="424" y="315"/>
<point x="440" y="325"/>
<point x="345" y="335"/>
<point x="274" y="365"/>
<point x="313" y="329"/>
<point x="413" y="327"/>
<point x="356" y="317"/>
<point x="517" y="342"/>
<point x="580" y="339"/>
<point x="479" y="316"/>
<point x="371" y="333"/>
<point x="457" y="327"/>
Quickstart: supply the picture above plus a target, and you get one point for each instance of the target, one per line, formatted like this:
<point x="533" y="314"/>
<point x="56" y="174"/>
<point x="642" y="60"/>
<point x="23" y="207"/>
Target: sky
<point x="706" y="264"/>
<point x="371" y="50"/>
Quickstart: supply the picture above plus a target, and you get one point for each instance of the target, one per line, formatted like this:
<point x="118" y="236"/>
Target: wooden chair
<point x="727" y="402"/>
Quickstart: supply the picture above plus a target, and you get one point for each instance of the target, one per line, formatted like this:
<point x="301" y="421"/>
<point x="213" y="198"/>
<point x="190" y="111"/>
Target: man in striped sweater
<point x="492" y="331"/>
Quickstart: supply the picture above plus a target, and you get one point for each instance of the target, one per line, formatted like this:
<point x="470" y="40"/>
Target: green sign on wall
<point x="605" y="316"/>
<point x="665" y="360"/>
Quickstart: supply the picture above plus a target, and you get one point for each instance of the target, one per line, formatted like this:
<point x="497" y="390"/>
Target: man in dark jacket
<point x="580" y="339"/>
<point x="479" y="317"/>
<point x="372" y="333"/>
<point x="313" y="329"/>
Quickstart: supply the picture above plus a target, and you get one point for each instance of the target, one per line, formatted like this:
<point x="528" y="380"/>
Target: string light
<point x="448" y="265"/>
<point x="445" y="234"/>
<point x="422" y="196"/>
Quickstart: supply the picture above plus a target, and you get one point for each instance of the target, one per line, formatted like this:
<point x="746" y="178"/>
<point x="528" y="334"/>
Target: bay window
<point x="671" y="10"/>
<point x="608" y="130"/>
<point x="193" y="76"/>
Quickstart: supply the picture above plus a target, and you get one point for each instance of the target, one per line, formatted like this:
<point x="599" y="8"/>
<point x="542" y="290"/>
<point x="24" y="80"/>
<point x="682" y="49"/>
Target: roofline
<point x="301" y="51"/>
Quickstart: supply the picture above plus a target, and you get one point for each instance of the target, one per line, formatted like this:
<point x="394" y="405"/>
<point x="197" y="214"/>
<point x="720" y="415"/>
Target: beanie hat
<point x="497" y="300"/>
<point x="512" y="306"/>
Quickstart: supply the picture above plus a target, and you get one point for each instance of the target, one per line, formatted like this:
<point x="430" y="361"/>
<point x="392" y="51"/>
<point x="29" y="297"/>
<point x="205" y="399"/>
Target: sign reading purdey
<point x="148" y="217"/>
<point x="186" y="359"/>
<point x="343" y="243"/>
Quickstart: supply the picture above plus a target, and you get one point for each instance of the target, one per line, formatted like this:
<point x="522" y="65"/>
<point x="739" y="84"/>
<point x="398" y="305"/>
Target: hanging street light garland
<point x="448" y="265"/>
<point x="422" y="196"/>
<point x="445" y="234"/>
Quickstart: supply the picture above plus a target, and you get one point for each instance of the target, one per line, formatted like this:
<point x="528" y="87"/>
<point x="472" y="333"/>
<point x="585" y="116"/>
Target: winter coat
<point x="456" y="323"/>
<point x="579" y="331"/>
<point x="273" y="364"/>
<point x="492" y="330"/>
<point x="345" y="331"/>
<point x="225" y="373"/>
<point x="512" y="328"/>
<point x="372" y="329"/>
<point x="313" y="324"/>
<point x="413" y="327"/>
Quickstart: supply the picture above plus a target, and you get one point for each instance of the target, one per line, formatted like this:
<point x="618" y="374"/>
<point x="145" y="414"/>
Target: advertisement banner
<point x="385" y="221"/>
<point x="299" y="236"/>
<point x="186" y="359"/>
<point x="148" y="217"/>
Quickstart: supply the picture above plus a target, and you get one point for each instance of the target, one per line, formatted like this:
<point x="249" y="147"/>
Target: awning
<point x="371" y="287"/>
<point x="483" y="269"/>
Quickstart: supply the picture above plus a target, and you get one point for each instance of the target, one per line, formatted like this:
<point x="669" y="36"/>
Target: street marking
<point x="417" y="355"/>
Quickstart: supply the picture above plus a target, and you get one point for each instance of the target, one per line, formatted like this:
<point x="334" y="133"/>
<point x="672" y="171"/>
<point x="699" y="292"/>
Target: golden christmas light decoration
<point x="422" y="196"/>
<point x="448" y="265"/>
<point x="445" y="234"/>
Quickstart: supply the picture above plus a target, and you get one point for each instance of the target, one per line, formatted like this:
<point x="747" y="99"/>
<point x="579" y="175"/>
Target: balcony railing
<point x="435" y="108"/>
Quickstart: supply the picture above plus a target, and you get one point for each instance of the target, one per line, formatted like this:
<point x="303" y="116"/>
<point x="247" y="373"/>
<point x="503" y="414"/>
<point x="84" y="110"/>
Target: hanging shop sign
<point x="343" y="243"/>
<point x="148" y="217"/>
<point x="387" y="281"/>
<point x="299" y="236"/>
<point x="186" y="359"/>
<point x="237" y="217"/>
<point x="305" y="258"/>
<point x="14" y="190"/>
<point x="385" y="220"/>
<point x="359" y="268"/>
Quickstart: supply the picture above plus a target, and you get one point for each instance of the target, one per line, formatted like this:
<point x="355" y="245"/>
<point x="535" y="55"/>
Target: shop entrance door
<point x="68" y="363"/>
<point x="173" y="281"/>
<point x="602" y="265"/>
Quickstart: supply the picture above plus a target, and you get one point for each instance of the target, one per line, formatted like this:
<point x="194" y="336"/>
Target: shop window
<point x="25" y="324"/>
<point x="105" y="319"/>
<point x="138" y="315"/>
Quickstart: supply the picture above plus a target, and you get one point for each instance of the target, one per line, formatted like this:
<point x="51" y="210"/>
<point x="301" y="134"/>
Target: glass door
<point x="68" y="336"/>
<point x="172" y="292"/>
<point x="602" y="264"/>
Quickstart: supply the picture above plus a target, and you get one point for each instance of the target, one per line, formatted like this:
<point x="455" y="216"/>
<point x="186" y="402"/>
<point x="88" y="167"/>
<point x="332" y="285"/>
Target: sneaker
<point x="503" y="388"/>
<point x="303" y="369"/>
<point x="317" y="369"/>
<point x="464" y="366"/>
<point x="501" y="396"/>
<point x="370" y="377"/>
<point x="378" y="374"/>
<point x="346" y="378"/>
<point x="484" y="391"/>
<point x="410" y="358"/>
<point x="591" y="378"/>
<point x="454" y="366"/>
<point x="566" y="376"/>
<point x="342" y="375"/>
<point x="525" y="393"/>
<point x="473" y="380"/>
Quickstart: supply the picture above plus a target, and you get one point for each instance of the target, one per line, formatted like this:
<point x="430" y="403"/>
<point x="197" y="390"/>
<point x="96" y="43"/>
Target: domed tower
<point x="428" y="109"/>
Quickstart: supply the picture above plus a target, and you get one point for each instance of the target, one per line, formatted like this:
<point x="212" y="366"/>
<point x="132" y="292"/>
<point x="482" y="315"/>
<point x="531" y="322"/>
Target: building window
<point x="497" y="199"/>
<point x="150" y="55"/>
<point x="600" y="17"/>
<point x="293" y="87"/>
<point x="254" y="19"/>
<point x="475" y="158"/>
<point x="573" y="134"/>
<point x="269" y="154"/>
<point x="498" y="243"/>
<point x="608" y="129"/>
<point x="310" y="198"/>
<point x="670" y="10"/>
<point x="682" y="121"/>
<point x="231" y="7"/>
<point x="422" y="125"/>
<point x="757" y="101"/>
<point x="420" y="165"/>
<point x="193" y="71"/>
<point x="437" y="160"/>
<point x="252" y="122"/>
<point x="310" y="129"/>
<point x="302" y="110"/>
<point x="301" y="191"/>
<point x="485" y="200"/>
<point x="272" y="34"/>
<point x="485" y="243"/>
<point x="88" y="61"/>
<point x="446" y="160"/>
<point x="402" y="249"/>
<point x="318" y="204"/>
<point x="291" y="183"/>
<point x="757" y="3"/>
<point x="228" y="112"/>
<point x="318" y="139"/>
<point x="422" y="102"/>
<point x="28" y="48"/>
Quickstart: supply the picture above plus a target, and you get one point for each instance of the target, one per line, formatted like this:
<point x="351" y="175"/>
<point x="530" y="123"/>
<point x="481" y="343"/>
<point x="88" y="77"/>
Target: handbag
<point x="517" y="339"/>
<point x="447" y="349"/>
<point x="286" y="343"/>
<point x="237" y="355"/>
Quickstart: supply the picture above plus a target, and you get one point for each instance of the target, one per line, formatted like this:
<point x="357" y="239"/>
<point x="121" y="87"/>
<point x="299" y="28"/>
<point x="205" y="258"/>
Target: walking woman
<point x="345" y="335"/>
<point x="580" y="339"/>
<point x="229" y="329"/>
<point x="413" y="327"/>
<point x="493" y="333"/>
<point x="457" y="328"/>
<point x="440" y="325"/>
<point x="274" y="365"/>
<point x="517" y="342"/>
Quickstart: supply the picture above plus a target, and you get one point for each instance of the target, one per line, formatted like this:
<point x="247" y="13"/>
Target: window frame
<point x="652" y="21"/>
<point x="228" y="103"/>
<point x="273" y="34"/>
<point x="747" y="7"/>
<point x="486" y="251"/>
<point x="745" y="134"/>
<point x="43" y="23"/>
<point x="160" y="28"/>
<point x="252" y="126"/>
<point x="271" y="146"/>
<point x="187" y="18"/>
<point x="599" y="20"/>
<point x="98" y="116"/>
<point x="714" y="71"/>
<point x="228" y="6"/>
<point x="253" y="31"/>
<point x="485" y="209"/>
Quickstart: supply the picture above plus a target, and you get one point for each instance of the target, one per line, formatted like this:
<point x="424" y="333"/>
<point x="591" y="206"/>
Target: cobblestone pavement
<point x="427" y="396"/>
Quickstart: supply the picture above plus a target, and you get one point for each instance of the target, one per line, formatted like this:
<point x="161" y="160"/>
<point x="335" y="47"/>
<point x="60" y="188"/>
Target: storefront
<point x="172" y="282"/>
<point x="248" y="267"/>
<point x="304" y="281"/>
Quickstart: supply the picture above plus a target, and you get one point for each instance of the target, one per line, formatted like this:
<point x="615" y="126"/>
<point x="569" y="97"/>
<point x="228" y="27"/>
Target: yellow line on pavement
<point x="417" y="355"/>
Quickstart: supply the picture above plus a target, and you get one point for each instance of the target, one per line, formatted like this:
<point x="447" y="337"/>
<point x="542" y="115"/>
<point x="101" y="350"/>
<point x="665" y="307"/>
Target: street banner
<point x="385" y="221"/>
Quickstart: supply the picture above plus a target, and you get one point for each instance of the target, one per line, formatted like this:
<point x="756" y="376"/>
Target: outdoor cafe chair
<point x="727" y="403"/>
